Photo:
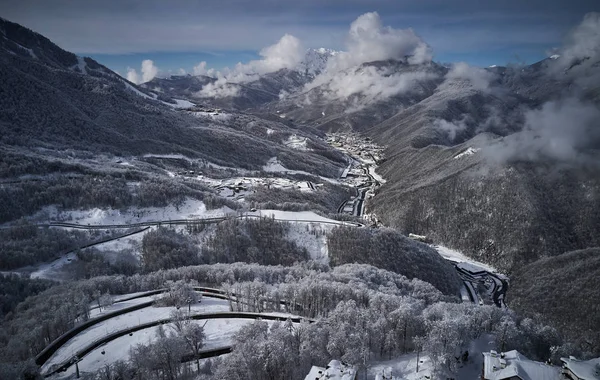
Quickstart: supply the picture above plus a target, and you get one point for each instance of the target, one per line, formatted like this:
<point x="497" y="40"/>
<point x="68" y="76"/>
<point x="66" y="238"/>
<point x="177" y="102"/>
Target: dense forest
<point x="563" y="290"/>
<point x="388" y="249"/>
<point x="358" y="306"/>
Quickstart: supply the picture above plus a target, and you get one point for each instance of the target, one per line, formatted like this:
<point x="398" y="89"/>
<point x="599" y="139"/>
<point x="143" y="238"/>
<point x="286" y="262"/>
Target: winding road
<point x="54" y="346"/>
<point x="499" y="285"/>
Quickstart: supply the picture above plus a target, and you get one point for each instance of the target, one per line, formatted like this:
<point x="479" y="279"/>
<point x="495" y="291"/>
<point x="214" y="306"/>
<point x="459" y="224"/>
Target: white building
<point x="512" y="365"/>
<point x="335" y="371"/>
<point x="581" y="369"/>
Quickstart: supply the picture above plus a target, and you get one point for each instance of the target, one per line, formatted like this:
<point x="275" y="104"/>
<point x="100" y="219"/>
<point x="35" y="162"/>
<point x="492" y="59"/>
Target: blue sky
<point x="179" y="34"/>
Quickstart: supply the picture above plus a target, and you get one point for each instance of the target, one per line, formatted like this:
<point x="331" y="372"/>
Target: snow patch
<point x="377" y="177"/>
<point x="466" y="262"/>
<point x="180" y="103"/>
<point x="274" y="166"/>
<point x="297" y="216"/>
<point x="137" y="92"/>
<point x="189" y="209"/>
<point x="313" y="237"/>
<point x="296" y="142"/>
<point x="469" y="152"/>
<point x="403" y="367"/>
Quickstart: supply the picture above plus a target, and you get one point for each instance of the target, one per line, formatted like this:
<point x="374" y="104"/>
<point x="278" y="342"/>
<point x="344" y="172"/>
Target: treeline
<point x="165" y="248"/>
<point x="261" y="241"/>
<point x="388" y="327"/>
<point x="26" y="244"/>
<point x="13" y="165"/>
<point x="388" y="249"/>
<point x="91" y="262"/>
<point x="25" y="198"/>
<point x="15" y="288"/>
<point x="565" y="290"/>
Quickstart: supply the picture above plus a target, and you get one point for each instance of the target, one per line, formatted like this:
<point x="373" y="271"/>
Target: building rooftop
<point x="583" y="369"/>
<point x="499" y="366"/>
<point x="335" y="371"/>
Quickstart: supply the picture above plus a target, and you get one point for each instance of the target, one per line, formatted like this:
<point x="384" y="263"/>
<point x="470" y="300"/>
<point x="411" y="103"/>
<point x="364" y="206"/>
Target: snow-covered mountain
<point x="315" y="61"/>
<point x="57" y="100"/>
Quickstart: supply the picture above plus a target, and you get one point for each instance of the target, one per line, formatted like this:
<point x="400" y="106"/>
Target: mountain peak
<point x="315" y="61"/>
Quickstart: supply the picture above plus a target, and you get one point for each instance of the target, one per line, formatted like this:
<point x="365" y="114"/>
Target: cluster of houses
<point x="357" y="146"/>
<point x="512" y="365"/>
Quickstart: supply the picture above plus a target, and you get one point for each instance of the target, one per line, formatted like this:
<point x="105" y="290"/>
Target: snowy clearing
<point x="296" y="142"/>
<point x="297" y="216"/>
<point x="457" y="257"/>
<point x="136" y="91"/>
<point x="190" y="209"/>
<point x="403" y="367"/>
<point x="374" y="174"/>
<point x="180" y="103"/>
<point x="274" y="166"/>
<point x="313" y="238"/>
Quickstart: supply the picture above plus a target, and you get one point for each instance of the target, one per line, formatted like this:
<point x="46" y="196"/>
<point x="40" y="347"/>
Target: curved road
<point x="220" y="315"/>
<point x="499" y="285"/>
<point x="56" y="344"/>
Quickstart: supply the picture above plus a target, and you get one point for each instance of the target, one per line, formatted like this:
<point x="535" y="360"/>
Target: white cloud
<point x="373" y="83"/>
<point x="368" y="40"/>
<point x="449" y="128"/>
<point x="479" y="78"/>
<point x="181" y="71"/>
<point x="584" y="40"/>
<point x="580" y="56"/>
<point x="201" y="69"/>
<point x="221" y="88"/>
<point x="286" y="53"/>
<point x="132" y="75"/>
<point x="148" y="70"/>
<point x="561" y="130"/>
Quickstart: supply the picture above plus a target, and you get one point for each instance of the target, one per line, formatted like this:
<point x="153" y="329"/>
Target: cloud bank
<point x="451" y="129"/>
<point x="564" y="130"/>
<point x="368" y="40"/>
<point x="478" y="78"/>
<point x="372" y="83"/>
<point x="583" y="43"/>
<point x="579" y="57"/>
<point x="287" y="53"/>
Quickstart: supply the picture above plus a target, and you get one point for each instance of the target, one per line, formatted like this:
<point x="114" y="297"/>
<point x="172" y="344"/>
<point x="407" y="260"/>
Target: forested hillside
<point x="564" y="290"/>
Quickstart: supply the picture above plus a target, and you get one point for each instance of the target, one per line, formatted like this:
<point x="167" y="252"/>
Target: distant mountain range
<point x="56" y="100"/>
<point x="502" y="163"/>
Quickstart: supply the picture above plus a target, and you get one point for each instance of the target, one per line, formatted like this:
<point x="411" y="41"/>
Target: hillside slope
<point x="565" y="291"/>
